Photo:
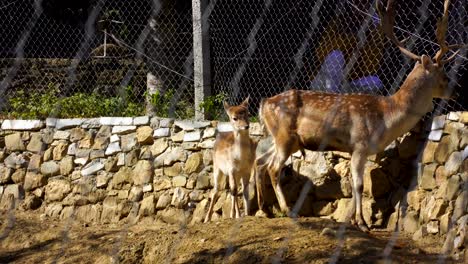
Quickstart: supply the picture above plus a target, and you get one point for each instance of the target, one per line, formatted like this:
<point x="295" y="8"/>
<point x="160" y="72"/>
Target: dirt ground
<point x="28" y="238"/>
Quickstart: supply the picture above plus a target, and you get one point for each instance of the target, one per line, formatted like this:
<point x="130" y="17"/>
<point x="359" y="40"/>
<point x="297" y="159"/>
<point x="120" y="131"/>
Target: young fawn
<point x="234" y="157"/>
<point x="359" y="124"/>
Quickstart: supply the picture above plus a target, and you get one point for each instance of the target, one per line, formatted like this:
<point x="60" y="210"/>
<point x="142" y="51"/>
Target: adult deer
<point x="356" y="123"/>
<point x="234" y="156"/>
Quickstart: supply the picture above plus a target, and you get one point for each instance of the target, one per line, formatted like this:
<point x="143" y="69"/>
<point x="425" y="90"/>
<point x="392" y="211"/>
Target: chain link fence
<point x="100" y="58"/>
<point x="262" y="48"/>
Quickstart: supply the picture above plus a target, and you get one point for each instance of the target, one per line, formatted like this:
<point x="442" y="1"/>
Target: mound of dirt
<point x="29" y="238"/>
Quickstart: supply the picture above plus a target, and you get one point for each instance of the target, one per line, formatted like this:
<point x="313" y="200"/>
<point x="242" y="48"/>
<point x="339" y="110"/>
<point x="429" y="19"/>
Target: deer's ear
<point x="226" y="105"/>
<point x="246" y="101"/>
<point x="427" y="63"/>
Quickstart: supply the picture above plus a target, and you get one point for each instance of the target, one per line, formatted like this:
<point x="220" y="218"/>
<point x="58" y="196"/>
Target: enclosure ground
<point x="26" y="238"/>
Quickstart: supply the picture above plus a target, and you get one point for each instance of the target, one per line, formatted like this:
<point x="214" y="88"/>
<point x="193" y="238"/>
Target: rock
<point x="409" y="146"/>
<point x="53" y="210"/>
<point x="411" y="222"/>
<point x="194" y="163"/>
<point x="428" y="152"/>
<point x="438" y="122"/>
<point x="36" y="145"/>
<point x="159" y="146"/>
<point x="93" y="167"/>
<point x="15" y="161"/>
<point x="141" y="120"/>
<point x="66" y="165"/>
<point x="436" y="209"/>
<point x="464" y="117"/>
<point x="116" y="121"/>
<point x="76" y="134"/>
<point x="435" y="135"/>
<point x="129" y="142"/>
<point x="161" y="132"/>
<point x="209" y="132"/>
<point x="22" y="124"/>
<point x="61" y="135"/>
<point x="322" y="208"/>
<point x="329" y="189"/>
<point x="420" y="233"/>
<point x="192" y="146"/>
<point x="48" y="154"/>
<point x="11" y="194"/>
<point x="328" y="232"/>
<point x="178" y="137"/>
<point x="143" y="172"/>
<point x="31" y="202"/>
<point x="203" y="182"/>
<point x="432" y="227"/>
<point x="56" y="190"/>
<point x="164" y="201"/>
<point x="147" y="188"/>
<point x="179" y="181"/>
<point x="60" y="151"/>
<point x="72" y="149"/>
<point x="447" y="145"/>
<point x="453" y="163"/>
<point x="453" y="185"/>
<point x="123" y="176"/>
<point x="194" y="136"/>
<point x="121" y="130"/>
<point x="102" y="138"/>
<point x="414" y="199"/>
<point x="376" y="183"/>
<point x="18" y="176"/>
<point x="5" y="174"/>
<point x="102" y="179"/>
<point x="147" y="207"/>
<point x="166" y="122"/>
<point x="111" y="165"/>
<point x="144" y="135"/>
<point x="342" y="210"/>
<point x="460" y="204"/>
<point x="112" y="148"/>
<point x="87" y="141"/>
<point x="207" y="144"/>
<point x="453" y="116"/>
<point x="14" y="142"/>
<point x="190" y="125"/>
<point x="50" y="168"/>
<point x="200" y="211"/>
<point x="444" y="223"/>
<point x="427" y="181"/>
<point x="162" y="183"/>
<point x="34" y="180"/>
<point x="136" y="194"/>
<point x="179" y="198"/>
<point x="174" y="170"/>
<point x="131" y="158"/>
<point x="110" y="212"/>
<point x="90" y="213"/>
<point x="174" y="216"/>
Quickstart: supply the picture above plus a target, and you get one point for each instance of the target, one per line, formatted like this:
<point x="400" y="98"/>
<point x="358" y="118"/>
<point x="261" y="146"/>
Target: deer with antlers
<point x="356" y="123"/>
<point x="234" y="157"/>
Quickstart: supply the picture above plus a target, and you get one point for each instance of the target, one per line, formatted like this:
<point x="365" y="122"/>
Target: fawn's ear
<point x="226" y="105"/>
<point x="245" y="103"/>
<point x="427" y="63"/>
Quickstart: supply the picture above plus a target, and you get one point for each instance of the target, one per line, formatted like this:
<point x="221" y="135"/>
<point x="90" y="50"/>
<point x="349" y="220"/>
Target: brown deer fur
<point x="234" y="156"/>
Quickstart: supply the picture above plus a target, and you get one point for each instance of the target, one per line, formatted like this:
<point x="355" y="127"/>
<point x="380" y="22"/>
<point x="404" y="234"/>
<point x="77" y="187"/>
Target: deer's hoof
<point x="261" y="213"/>
<point x="363" y="228"/>
<point x="293" y="214"/>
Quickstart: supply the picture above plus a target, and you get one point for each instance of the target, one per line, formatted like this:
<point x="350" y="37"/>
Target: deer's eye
<point x="234" y="118"/>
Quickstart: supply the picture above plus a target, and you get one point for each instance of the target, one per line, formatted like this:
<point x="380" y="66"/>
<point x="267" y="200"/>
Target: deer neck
<point x="412" y="101"/>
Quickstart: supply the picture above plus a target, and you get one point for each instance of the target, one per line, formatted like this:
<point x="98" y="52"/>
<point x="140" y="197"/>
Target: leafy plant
<point x="43" y="104"/>
<point x="214" y="106"/>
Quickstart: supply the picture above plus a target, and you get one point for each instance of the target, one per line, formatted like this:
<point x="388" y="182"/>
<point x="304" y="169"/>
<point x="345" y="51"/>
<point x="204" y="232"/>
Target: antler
<point x="441" y="30"/>
<point x="387" y="20"/>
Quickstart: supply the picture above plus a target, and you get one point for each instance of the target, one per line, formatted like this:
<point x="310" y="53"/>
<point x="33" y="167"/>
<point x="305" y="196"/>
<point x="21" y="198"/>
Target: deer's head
<point x="431" y="70"/>
<point x="238" y="115"/>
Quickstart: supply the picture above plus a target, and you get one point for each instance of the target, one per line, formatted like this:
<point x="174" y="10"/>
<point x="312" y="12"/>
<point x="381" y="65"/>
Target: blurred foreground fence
<point x="183" y="58"/>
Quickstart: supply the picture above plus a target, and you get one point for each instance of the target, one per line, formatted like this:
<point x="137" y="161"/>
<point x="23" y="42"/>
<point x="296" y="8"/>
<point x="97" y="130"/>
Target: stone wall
<point x="122" y="169"/>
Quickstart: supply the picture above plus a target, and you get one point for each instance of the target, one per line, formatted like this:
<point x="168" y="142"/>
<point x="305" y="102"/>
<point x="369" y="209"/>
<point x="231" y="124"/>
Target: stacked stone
<point x="107" y="169"/>
<point x="439" y="202"/>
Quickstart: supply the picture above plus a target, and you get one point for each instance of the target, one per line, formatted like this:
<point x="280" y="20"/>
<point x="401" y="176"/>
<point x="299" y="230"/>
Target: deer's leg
<point x="214" y="194"/>
<point x="260" y="170"/>
<point x="274" y="170"/>
<point x="234" y="205"/>
<point x="245" y="193"/>
<point x="358" y="161"/>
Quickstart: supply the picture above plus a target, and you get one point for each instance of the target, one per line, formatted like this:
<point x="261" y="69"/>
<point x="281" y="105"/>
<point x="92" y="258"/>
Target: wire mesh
<point x="332" y="46"/>
<point x="71" y="63"/>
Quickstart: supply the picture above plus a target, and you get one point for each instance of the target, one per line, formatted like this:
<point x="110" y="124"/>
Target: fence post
<point x="201" y="57"/>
